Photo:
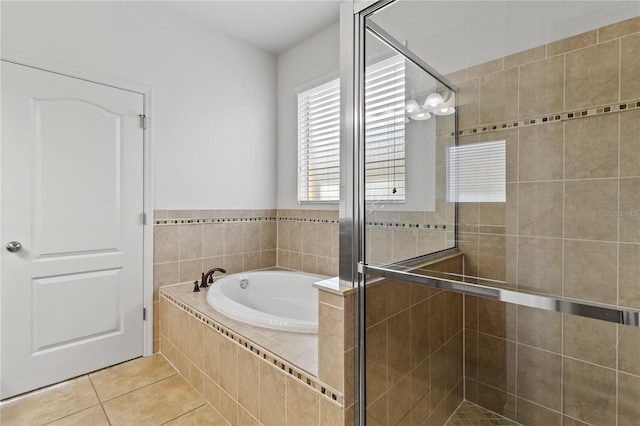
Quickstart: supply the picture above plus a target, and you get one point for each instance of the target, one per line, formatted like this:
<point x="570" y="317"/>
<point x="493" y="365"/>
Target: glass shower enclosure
<point x="497" y="212"/>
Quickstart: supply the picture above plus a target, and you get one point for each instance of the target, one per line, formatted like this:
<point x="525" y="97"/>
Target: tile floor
<point x="145" y="391"/>
<point x="470" y="414"/>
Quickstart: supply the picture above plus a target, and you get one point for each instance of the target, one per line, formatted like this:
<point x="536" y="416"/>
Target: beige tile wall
<point x="540" y="367"/>
<point x="414" y="355"/>
<point x="394" y="235"/>
<point x="570" y="227"/>
<point x="189" y="242"/>
<point x="336" y="354"/>
<point x="308" y="241"/>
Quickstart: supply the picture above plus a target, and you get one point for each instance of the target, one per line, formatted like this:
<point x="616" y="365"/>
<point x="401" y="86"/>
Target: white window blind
<point x="384" y="130"/>
<point x="319" y="143"/>
<point x="477" y="172"/>
<point x="319" y="136"/>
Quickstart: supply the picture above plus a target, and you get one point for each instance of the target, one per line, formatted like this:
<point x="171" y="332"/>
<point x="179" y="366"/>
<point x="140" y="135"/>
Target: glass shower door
<point x="414" y="338"/>
<point x="502" y="284"/>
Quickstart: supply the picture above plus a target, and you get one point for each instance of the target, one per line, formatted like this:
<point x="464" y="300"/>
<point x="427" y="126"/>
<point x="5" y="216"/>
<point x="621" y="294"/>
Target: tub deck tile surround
<point x="298" y="348"/>
<point x="240" y="352"/>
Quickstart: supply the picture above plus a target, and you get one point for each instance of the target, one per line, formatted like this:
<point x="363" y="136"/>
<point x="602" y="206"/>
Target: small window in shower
<point x="477" y="173"/>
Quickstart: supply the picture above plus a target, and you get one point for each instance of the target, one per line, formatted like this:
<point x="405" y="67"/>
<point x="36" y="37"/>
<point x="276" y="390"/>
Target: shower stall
<point x="493" y="212"/>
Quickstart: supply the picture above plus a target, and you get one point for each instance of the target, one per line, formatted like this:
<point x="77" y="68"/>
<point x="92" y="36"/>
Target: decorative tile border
<point x="306" y="219"/>
<point x="239" y="219"/>
<point x="563" y="116"/>
<point x="213" y="220"/>
<point x="298" y="374"/>
<point x="380" y="224"/>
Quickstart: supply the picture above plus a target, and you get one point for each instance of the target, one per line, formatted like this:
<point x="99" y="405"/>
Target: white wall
<point x="315" y="59"/>
<point x="214" y="98"/>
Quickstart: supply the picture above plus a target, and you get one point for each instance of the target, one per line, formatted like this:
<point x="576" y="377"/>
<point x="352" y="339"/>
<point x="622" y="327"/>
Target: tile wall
<point x="569" y="112"/>
<point x="336" y="353"/>
<point x="414" y="359"/>
<point x="189" y="242"/>
<point x="396" y="235"/>
<point x="307" y="241"/>
<point x="246" y="384"/>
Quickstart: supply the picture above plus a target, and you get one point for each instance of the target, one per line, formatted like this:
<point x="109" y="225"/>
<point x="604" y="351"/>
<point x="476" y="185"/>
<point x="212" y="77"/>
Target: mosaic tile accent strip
<point x="213" y="220"/>
<point x="380" y="224"/>
<point x="470" y="414"/>
<point x="563" y="116"/>
<point x="305" y="219"/>
<point x="239" y="219"/>
<point x="298" y="374"/>
<point x="440" y="227"/>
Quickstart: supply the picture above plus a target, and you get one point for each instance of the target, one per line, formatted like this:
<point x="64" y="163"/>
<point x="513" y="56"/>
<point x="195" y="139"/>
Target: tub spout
<point x="208" y="277"/>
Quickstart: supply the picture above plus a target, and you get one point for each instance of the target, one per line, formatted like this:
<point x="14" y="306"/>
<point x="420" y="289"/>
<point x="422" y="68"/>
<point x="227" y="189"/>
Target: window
<point x="477" y="173"/>
<point x="384" y="130"/>
<point x="319" y="136"/>
<point x="319" y="143"/>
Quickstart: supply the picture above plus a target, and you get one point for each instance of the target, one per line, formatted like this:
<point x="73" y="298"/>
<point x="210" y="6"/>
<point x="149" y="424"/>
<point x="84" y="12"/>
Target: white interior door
<point x="71" y="158"/>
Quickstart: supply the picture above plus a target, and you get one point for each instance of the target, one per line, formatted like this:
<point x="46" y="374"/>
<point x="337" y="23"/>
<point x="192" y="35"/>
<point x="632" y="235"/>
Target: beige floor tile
<point x="204" y="415"/>
<point x="93" y="416"/>
<point x="123" y="378"/>
<point x="154" y="404"/>
<point x="49" y="404"/>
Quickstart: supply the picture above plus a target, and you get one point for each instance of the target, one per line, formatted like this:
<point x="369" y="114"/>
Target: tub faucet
<point x="208" y="277"/>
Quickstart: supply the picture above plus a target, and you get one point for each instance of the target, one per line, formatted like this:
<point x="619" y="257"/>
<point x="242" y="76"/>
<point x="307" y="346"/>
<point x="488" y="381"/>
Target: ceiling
<point x="273" y="26"/>
<point x="453" y="35"/>
<point x="509" y="26"/>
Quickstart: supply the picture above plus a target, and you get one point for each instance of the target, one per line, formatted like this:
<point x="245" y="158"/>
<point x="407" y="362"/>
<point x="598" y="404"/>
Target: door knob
<point x="14" y="246"/>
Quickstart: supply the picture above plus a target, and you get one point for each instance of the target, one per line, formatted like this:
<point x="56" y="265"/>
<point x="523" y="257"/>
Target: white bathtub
<point x="279" y="300"/>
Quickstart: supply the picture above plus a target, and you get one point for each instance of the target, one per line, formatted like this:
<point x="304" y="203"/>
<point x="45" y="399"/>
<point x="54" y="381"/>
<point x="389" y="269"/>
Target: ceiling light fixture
<point x="411" y="106"/>
<point x="436" y="103"/>
<point x="433" y="100"/>
<point x="420" y="116"/>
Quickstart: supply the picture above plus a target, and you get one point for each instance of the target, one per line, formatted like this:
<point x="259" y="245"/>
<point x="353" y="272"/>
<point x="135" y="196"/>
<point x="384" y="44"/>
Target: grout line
<point x="618" y="266"/>
<point x="515" y="373"/>
<point x="618" y="218"/>
<point x="564" y="175"/>
<point x="186" y="412"/>
<point x="99" y="400"/>
<point x="77" y="412"/>
<point x="564" y="81"/>
<point x="144" y="386"/>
